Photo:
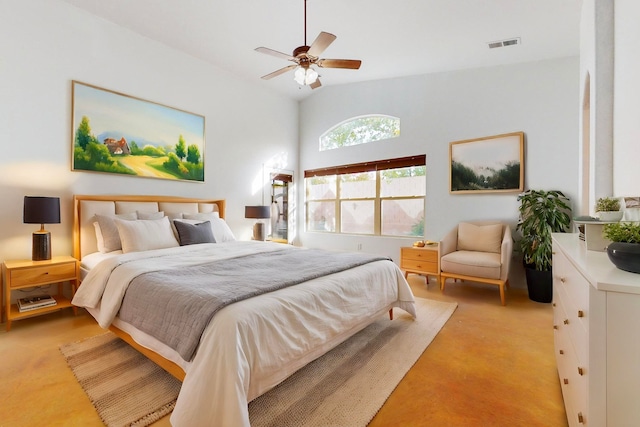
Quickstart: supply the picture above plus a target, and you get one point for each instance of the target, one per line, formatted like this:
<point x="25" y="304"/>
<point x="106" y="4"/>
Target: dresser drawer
<point x="431" y="267"/>
<point x="34" y="276"/>
<point x="571" y="372"/>
<point x="575" y="286"/>
<point x="574" y="383"/>
<point x="575" y="322"/>
<point x="417" y="254"/>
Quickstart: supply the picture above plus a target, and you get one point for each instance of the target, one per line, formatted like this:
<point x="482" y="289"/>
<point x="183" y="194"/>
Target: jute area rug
<point x="346" y="387"/>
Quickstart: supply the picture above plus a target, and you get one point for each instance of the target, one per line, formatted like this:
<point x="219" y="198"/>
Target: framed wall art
<point x="117" y="133"/>
<point x="488" y="164"/>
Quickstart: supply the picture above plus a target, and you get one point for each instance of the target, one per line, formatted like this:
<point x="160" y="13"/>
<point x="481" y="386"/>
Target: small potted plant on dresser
<point x="541" y="213"/>
<point x="624" y="251"/>
<point x="608" y="209"/>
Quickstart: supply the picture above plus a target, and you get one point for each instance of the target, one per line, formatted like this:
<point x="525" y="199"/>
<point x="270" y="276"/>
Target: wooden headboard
<point x="86" y="206"/>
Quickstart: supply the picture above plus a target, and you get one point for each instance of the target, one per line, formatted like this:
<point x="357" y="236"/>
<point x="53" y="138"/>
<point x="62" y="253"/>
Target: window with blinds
<point x="384" y="198"/>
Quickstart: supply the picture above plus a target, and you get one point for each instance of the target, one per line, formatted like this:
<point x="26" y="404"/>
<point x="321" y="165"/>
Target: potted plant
<point x="624" y="251"/>
<point x="541" y="213"/>
<point x="608" y="209"/>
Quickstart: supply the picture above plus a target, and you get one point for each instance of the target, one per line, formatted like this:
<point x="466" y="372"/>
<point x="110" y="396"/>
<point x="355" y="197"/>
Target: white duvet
<point x="252" y="345"/>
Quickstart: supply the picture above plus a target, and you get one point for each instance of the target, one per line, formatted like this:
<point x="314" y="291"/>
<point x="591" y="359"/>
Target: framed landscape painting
<point x="489" y="164"/>
<point x="117" y="133"/>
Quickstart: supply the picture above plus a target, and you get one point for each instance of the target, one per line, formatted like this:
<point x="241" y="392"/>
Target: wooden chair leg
<point x="391" y="314"/>
<point x="502" y="294"/>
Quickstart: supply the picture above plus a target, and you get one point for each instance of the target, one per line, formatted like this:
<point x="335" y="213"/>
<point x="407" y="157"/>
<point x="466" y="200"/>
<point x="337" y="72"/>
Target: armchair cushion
<point x="472" y="263"/>
<point x="480" y="238"/>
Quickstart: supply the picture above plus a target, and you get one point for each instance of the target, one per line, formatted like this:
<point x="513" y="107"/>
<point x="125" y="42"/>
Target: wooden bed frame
<point x="131" y="201"/>
<point x="83" y="223"/>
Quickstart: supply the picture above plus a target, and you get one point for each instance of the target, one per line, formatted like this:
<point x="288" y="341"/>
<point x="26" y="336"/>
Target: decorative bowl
<point x="625" y="256"/>
<point x="610" y="216"/>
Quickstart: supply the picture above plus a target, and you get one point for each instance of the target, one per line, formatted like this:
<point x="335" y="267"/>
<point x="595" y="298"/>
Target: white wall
<point x="538" y="98"/>
<point x="609" y="43"/>
<point x="46" y="44"/>
<point x="626" y="120"/>
<point x="596" y="77"/>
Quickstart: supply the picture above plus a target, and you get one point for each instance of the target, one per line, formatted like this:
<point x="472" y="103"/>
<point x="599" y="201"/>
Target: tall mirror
<point x="280" y="183"/>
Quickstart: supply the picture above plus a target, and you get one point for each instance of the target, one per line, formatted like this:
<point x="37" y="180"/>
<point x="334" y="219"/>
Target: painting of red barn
<point x="117" y="133"/>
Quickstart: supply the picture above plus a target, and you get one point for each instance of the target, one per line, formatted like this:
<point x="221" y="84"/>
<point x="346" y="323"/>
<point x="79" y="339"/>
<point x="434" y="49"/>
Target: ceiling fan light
<point x="305" y="76"/>
<point x="299" y="75"/>
<point x="312" y="76"/>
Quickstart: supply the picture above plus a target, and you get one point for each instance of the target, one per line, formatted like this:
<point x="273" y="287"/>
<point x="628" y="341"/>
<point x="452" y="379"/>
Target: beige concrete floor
<point x="489" y="366"/>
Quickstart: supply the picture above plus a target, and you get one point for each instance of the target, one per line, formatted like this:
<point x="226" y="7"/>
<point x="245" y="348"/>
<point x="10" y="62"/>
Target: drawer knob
<point x="563" y="280"/>
<point x="580" y="313"/>
<point x="580" y="418"/>
<point x="580" y="371"/>
<point x="565" y="380"/>
<point x="555" y="326"/>
<point x="553" y="304"/>
<point x="565" y="321"/>
<point x="561" y="351"/>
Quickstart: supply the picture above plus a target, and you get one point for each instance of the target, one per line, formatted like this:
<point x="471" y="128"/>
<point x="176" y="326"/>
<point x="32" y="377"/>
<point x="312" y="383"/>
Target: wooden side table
<point x="23" y="274"/>
<point x="421" y="260"/>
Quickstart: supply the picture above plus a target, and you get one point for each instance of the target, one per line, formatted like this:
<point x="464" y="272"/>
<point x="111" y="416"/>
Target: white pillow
<point x="145" y="235"/>
<point x="205" y="216"/>
<point x="150" y="215"/>
<point x="220" y="228"/>
<point x="171" y="217"/>
<point x="107" y="232"/>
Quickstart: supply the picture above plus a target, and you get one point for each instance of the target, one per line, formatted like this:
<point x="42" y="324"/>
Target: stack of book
<point x="35" y="302"/>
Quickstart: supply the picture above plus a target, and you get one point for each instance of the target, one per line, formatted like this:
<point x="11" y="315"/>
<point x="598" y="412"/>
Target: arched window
<point x="360" y="130"/>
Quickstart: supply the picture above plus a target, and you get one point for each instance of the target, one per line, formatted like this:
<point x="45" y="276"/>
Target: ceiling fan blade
<point x="352" y="64"/>
<point x="315" y="84"/>
<point x="278" y="72"/>
<point x="275" y="53"/>
<point x="321" y="43"/>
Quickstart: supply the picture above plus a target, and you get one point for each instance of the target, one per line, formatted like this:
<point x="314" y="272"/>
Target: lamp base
<point x="41" y="247"/>
<point x="258" y="231"/>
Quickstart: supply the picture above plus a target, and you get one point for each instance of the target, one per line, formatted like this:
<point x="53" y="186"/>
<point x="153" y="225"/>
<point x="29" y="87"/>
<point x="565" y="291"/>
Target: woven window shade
<point x="401" y="162"/>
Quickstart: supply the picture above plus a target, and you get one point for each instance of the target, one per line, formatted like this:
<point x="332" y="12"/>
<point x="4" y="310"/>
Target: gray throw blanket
<point x="176" y="305"/>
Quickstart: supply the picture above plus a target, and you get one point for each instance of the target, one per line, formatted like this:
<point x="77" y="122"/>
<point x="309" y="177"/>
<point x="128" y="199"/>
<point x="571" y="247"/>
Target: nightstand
<point x="421" y="260"/>
<point x="22" y="274"/>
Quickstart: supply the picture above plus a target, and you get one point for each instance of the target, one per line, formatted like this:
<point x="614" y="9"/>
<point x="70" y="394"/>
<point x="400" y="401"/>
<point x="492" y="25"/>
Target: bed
<point x="249" y="345"/>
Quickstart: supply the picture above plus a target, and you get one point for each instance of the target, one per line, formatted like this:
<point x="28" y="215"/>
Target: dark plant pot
<point x="539" y="284"/>
<point x="625" y="256"/>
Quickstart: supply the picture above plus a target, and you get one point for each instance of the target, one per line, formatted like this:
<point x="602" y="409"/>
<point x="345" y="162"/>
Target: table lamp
<point x="41" y="210"/>
<point x="258" y="212"/>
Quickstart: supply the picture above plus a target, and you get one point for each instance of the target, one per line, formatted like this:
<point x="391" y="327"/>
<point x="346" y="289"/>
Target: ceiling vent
<point x="503" y="43"/>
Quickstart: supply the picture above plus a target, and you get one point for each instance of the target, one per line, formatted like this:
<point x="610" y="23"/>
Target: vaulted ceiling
<point x="393" y="38"/>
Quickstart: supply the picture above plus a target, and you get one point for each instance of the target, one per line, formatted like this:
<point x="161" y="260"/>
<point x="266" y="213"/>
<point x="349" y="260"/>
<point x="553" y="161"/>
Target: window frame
<point x="322" y="147"/>
<point x="365" y="167"/>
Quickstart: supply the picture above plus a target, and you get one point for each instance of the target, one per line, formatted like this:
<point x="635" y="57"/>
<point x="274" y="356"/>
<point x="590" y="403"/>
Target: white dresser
<point x="597" y="335"/>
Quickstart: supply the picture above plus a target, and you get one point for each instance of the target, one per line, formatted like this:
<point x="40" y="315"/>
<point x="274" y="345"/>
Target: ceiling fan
<point x="304" y="57"/>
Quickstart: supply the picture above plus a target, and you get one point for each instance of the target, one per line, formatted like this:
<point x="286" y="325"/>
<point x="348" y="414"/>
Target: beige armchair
<point x="478" y="251"/>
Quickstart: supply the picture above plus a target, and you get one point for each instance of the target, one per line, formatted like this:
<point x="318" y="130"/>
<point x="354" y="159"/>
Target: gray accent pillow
<point x="191" y="234"/>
